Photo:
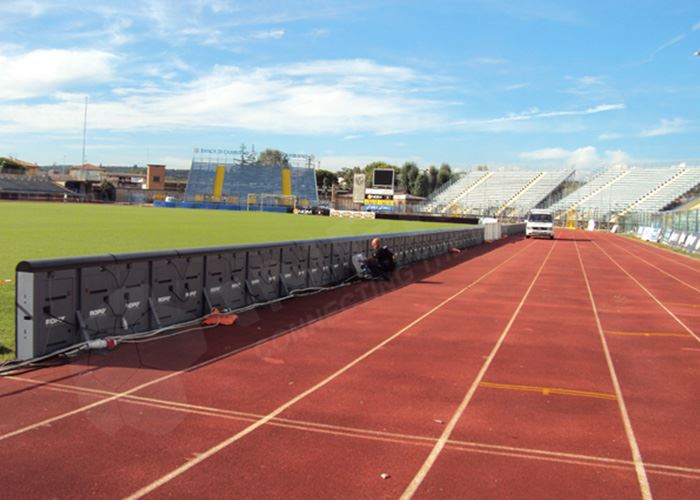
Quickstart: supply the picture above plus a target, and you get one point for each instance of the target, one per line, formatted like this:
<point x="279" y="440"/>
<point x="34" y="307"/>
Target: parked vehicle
<point x="540" y="223"/>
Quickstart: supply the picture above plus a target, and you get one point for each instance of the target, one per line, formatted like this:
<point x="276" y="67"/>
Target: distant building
<point x="155" y="177"/>
<point x="87" y="173"/>
<point x="16" y="166"/>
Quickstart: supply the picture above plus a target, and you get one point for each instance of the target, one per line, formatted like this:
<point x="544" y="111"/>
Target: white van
<point x="540" y="223"/>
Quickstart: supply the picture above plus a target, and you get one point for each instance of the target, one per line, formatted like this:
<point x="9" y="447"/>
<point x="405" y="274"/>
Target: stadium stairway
<point x="591" y="188"/>
<point x="520" y="193"/>
<point x="468" y="189"/>
<point x="687" y="179"/>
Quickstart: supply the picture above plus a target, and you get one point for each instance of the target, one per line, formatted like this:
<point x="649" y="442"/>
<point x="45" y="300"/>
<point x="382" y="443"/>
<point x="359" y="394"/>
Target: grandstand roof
<point x="25" y="164"/>
<point x="88" y="167"/>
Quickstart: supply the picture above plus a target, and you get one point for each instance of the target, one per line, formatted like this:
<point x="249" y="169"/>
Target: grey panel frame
<point x="61" y="302"/>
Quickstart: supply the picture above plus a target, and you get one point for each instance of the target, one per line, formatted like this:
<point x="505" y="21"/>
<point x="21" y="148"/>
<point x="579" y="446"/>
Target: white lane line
<point x="270" y="416"/>
<point x="657" y="268"/>
<point x="120" y="395"/>
<point x="445" y="436"/>
<point x="661" y="304"/>
<point x="361" y="433"/>
<point x="631" y="439"/>
<point x="116" y="396"/>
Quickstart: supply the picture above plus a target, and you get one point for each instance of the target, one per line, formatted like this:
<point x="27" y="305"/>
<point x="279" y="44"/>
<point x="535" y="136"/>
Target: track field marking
<point x="685" y="327"/>
<point x="657" y="268"/>
<point x="646" y="334"/>
<point x="116" y="396"/>
<point x="662" y="251"/>
<point x="632" y="440"/>
<point x="270" y="416"/>
<point x="683" y="304"/>
<point x="442" y="441"/>
<point x="317" y="427"/>
<point x="546" y="391"/>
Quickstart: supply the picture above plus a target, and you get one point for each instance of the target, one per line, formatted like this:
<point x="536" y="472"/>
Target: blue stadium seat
<point x="242" y="180"/>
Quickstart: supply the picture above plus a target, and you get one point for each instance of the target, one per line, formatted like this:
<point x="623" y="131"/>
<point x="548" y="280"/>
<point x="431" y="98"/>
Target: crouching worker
<point x="380" y="263"/>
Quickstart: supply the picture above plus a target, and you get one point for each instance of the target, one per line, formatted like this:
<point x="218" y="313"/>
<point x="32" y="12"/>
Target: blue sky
<point x="536" y="84"/>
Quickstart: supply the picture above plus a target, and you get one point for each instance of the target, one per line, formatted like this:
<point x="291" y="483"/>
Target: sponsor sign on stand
<point x="358" y="188"/>
<point x="379" y="199"/>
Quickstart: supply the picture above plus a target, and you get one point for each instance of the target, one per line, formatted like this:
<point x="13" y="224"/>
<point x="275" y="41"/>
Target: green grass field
<point x="45" y="230"/>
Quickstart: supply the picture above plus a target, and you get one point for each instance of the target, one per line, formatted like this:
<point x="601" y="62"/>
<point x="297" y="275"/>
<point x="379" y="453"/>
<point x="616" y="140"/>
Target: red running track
<point x="520" y="369"/>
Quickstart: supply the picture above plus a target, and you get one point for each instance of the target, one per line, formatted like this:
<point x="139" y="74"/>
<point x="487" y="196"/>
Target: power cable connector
<point x="108" y="343"/>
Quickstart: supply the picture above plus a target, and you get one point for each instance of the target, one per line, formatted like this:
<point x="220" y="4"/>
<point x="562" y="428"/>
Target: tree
<point x="105" y="191"/>
<point x="444" y="174"/>
<point x="325" y="177"/>
<point x="408" y="174"/>
<point x="10" y="166"/>
<point x="371" y="167"/>
<point x="273" y="157"/>
<point x="432" y="174"/>
<point x="346" y="175"/>
<point x="421" y="185"/>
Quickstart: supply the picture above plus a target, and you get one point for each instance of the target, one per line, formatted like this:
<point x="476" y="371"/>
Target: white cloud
<point x="351" y="70"/>
<point x="42" y="72"/>
<point x="591" y="86"/>
<point x="488" y="61"/>
<point x="696" y="26"/>
<point x="216" y="6"/>
<point x="318" y="33"/>
<point x="535" y="114"/>
<point x="673" y="41"/>
<point x="610" y="136"/>
<point x="321" y="97"/>
<point x="667" y="127"/>
<point x="335" y="163"/>
<point x="174" y="162"/>
<point x="29" y="8"/>
<point x="546" y="154"/>
<point x="268" y="35"/>
<point x="514" y="86"/>
<point x="584" y="158"/>
<point x="617" y="157"/>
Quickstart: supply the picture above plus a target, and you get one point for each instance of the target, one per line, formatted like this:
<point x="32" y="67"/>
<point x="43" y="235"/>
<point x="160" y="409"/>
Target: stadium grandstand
<point x="20" y="180"/>
<point x="499" y="193"/>
<point x="20" y="187"/>
<point x="231" y="177"/>
<point x="620" y="190"/>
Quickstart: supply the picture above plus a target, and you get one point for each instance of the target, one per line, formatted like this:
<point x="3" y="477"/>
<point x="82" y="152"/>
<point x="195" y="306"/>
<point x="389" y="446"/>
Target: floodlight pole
<point x="85" y="129"/>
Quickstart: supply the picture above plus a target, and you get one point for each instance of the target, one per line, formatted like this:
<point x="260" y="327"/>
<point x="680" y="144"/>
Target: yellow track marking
<point x="384" y="436"/>
<point x="546" y="391"/>
<point x="682" y="304"/>
<point x="646" y="290"/>
<point x="442" y="441"/>
<point x="133" y="390"/>
<point x="642" y="479"/>
<point x="646" y="334"/>
<point x="280" y="409"/>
